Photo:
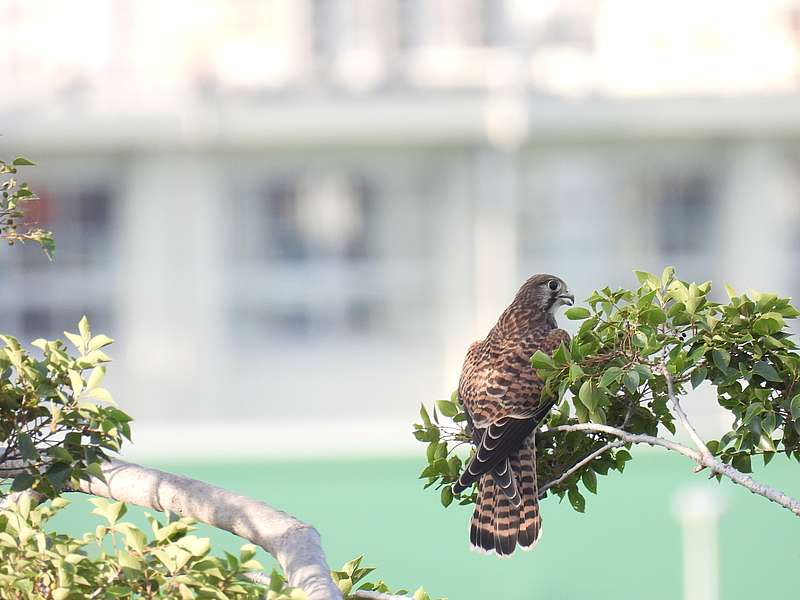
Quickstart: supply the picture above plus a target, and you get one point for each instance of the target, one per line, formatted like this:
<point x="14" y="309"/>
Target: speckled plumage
<point x="502" y="397"/>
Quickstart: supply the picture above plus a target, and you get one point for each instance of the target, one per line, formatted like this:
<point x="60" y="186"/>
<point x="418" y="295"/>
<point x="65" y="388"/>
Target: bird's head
<point x="545" y="293"/>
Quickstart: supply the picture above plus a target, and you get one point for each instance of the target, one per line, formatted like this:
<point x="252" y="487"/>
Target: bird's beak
<point x="568" y="299"/>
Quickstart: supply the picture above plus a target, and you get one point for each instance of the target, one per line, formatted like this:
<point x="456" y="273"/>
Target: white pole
<point x="698" y="509"/>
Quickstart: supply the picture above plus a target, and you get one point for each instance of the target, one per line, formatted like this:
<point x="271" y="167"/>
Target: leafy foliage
<point x="116" y="560"/>
<point x="58" y="422"/>
<point x="14" y="196"/>
<point x="352" y="574"/>
<point x="630" y="346"/>
<point x="119" y="560"/>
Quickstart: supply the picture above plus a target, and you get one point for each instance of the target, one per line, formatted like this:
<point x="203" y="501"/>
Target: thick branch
<point x="294" y="544"/>
<point x="704" y="460"/>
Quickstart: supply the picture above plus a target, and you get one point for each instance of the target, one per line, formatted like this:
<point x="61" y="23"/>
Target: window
<point x="684" y="213"/>
<point x="329" y="253"/>
<point x="305" y="219"/>
<point x="81" y="220"/>
<point x="42" y="298"/>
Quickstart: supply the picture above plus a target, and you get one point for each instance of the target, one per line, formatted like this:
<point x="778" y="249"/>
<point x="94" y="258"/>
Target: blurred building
<point x="298" y="213"/>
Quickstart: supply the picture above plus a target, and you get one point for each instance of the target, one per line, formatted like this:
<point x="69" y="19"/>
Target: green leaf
<point x="698" y="376"/>
<point x="768" y="324"/>
<point x="769" y="422"/>
<point x="95" y="377"/>
<point x="424" y="414"/>
<point x="631" y="380"/>
<point x="128" y="561"/>
<point x="795" y="407"/>
<point x="621" y="457"/>
<point x="21" y="161"/>
<point x="447" y="496"/>
<point x="562" y="355"/>
<point x="23" y="481"/>
<point x="577" y="313"/>
<point x="598" y="415"/>
<point x="648" y="279"/>
<point x="421" y="594"/>
<point x="575" y="372"/>
<point x="99" y="341"/>
<point x="788" y="312"/>
<point x="76" y="341"/>
<point x="752" y="411"/>
<point x="666" y="275"/>
<point x="587" y="396"/>
<point x="26" y="447"/>
<point x="589" y="480"/>
<point x="741" y="462"/>
<point x="611" y="375"/>
<point x="95" y="470"/>
<point x="765" y="443"/>
<point x="576" y="499"/>
<point x="101" y="394"/>
<point x="767" y="371"/>
<point x="58" y="474"/>
<point x="653" y="316"/>
<point x="83" y="328"/>
<point x="721" y="359"/>
<point x="694" y="298"/>
<point x="61" y="454"/>
<point x="540" y="360"/>
<point x="447" y="408"/>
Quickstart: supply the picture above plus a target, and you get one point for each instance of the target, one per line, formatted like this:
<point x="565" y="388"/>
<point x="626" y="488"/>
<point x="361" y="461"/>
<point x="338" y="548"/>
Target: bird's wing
<point x="502" y="393"/>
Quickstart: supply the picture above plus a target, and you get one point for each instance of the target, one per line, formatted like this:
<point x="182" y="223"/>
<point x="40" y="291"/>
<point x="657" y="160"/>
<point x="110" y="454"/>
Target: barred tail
<point x="481" y="530"/>
<point x="499" y="524"/>
<point x="530" y="527"/>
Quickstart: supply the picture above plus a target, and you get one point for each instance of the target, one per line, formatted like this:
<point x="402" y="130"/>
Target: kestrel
<point x="501" y="393"/>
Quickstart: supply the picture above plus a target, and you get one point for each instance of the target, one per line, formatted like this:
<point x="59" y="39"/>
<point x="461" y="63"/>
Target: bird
<point x="502" y="398"/>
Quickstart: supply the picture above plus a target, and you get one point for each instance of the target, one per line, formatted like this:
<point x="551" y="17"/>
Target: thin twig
<point x="258" y="577"/>
<point x="368" y="595"/>
<point x="580" y="464"/>
<point x="676" y="405"/>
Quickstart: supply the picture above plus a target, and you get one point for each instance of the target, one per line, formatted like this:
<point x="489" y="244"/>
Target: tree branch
<point x="367" y="595"/>
<point x="716" y="465"/>
<point x="294" y="544"/>
<point x="684" y="419"/>
<point x="578" y="465"/>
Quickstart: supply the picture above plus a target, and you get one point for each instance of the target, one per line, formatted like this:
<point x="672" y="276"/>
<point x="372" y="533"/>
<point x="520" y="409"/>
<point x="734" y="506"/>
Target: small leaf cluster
<point x="350" y="579"/>
<point x="13" y="196"/>
<point x="751" y="359"/>
<point x="443" y="439"/>
<point x="631" y="346"/>
<point x="117" y="560"/>
<point x="57" y="422"/>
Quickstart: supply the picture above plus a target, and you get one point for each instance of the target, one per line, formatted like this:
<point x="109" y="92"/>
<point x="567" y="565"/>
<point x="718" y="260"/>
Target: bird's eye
<point x="553" y="284"/>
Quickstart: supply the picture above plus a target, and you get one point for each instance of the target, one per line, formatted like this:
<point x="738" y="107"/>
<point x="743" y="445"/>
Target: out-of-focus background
<point x="295" y="215"/>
